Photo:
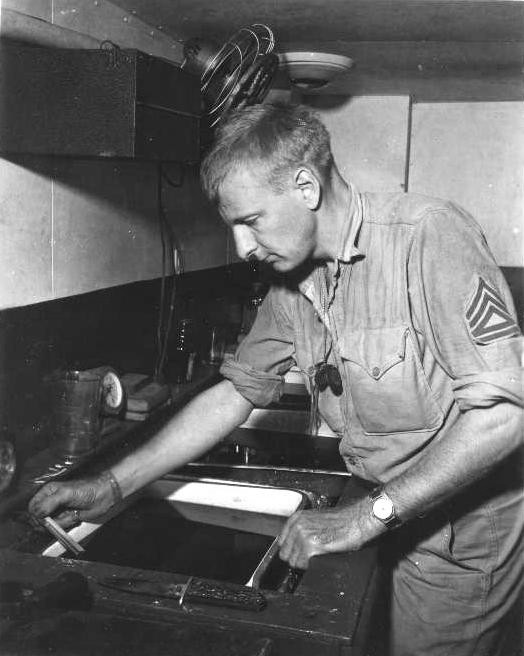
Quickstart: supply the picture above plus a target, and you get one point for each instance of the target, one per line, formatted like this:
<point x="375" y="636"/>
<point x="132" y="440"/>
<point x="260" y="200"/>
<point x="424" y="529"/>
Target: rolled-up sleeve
<point x="464" y="309"/>
<point x="267" y="352"/>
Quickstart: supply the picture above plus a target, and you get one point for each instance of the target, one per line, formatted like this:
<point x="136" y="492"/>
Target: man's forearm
<point x="194" y="430"/>
<point x="480" y="439"/>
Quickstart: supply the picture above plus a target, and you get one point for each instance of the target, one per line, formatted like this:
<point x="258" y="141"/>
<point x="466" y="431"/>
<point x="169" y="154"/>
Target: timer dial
<point x="112" y="391"/>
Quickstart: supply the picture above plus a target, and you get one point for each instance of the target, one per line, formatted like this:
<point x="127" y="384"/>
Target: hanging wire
<point x="160" y="322"/>
<point x="167" y="299"/>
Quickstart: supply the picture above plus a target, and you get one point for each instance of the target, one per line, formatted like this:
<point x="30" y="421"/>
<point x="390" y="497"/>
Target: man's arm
<point x="194" y="430"/>
<point x="480" y="439"/>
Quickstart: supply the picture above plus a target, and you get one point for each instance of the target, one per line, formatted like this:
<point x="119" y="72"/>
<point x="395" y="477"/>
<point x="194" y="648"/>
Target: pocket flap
<point x="375" y="350"/>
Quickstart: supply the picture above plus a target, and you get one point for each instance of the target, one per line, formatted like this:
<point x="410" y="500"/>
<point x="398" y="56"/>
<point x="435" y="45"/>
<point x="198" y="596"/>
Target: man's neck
<point x="332" y="218"/>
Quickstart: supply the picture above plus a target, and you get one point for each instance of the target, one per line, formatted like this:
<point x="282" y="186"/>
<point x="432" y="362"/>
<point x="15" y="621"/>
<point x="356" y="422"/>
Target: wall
<point x="369" y="137"/>
<point x="199" y="231"/>
<point x="69" y="226"/>
<point x="468" y="151"/>
<point x="473" y="154"/>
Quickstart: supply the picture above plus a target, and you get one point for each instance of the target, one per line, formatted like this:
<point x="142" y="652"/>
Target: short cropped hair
<point x="278" y="137"/>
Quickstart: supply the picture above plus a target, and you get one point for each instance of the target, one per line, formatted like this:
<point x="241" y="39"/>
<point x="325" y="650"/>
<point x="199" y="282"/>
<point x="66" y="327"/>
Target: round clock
<point x="112" y="390"/>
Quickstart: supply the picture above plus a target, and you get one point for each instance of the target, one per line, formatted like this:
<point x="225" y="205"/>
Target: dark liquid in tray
<point x="151" y="534"/>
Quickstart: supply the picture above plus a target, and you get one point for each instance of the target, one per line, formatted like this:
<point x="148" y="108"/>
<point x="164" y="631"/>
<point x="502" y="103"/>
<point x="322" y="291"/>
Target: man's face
<point x="276" y="228"/>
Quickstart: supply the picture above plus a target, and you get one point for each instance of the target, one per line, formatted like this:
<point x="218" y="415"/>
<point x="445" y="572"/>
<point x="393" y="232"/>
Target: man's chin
<point x="281" y="265"/>
<point x="289" y="268"/>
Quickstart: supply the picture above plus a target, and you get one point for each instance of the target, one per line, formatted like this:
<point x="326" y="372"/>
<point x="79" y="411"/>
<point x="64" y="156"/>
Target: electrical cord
<point x="169" y="242"/>
<point x="159" y="336"/>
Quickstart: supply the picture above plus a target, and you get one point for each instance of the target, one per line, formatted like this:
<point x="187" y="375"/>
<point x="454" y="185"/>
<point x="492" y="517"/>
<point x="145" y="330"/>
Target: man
<point x="393" y="307"/>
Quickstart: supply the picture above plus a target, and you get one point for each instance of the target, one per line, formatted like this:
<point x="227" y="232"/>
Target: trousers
<point x="457" y="575"/>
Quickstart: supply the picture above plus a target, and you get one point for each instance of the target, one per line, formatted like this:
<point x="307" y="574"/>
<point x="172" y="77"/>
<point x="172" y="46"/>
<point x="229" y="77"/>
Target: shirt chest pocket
<point x="388" y="386"/>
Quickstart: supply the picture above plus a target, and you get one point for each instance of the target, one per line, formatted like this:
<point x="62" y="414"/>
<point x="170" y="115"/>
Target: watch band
<point x="391" y="520"/>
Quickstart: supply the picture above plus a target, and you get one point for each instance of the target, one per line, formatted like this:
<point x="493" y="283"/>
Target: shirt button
<point x="375" y="372"/>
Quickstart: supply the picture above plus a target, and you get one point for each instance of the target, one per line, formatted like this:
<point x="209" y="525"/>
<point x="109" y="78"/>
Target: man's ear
<point x="309" y="187"/>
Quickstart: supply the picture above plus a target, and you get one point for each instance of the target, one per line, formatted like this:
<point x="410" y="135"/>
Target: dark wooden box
<point x="97" y="103"/>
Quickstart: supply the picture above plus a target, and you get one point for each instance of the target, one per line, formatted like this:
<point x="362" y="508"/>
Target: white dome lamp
<point x="311" y="71"/>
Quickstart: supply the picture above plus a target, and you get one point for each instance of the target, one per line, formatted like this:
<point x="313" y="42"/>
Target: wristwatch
<point x="383" y="509"/>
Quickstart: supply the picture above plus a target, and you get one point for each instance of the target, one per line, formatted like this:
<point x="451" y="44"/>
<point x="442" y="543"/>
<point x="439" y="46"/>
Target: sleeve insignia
<point x="488" y="317"/>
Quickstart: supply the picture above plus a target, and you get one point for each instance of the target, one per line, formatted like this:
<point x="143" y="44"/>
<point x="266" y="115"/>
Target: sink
<point x="196" y="526"/>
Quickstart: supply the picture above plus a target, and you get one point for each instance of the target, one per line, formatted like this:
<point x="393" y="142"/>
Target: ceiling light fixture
<point x="313" y="70"/>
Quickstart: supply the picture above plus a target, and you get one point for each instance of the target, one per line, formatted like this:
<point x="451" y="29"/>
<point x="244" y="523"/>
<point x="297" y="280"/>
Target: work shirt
<point x="416" y="316"/>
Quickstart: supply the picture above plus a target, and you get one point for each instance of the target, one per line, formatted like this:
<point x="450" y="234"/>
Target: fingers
<point x="309" y="533"/>
<point x="288" y="527"/>
<point x="298" y="557"/>
<point x="295" y="548"/>
<point x="50" y="498"/>
<point x="72" y="501"/>
<point x="284" y="540"/>
<point x="68" y="518"/>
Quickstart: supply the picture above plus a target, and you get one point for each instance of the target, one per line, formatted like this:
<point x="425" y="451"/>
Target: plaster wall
<point x="469" y="152"/>
<point x="473" y="154"/>
<point x="69" y="226"/>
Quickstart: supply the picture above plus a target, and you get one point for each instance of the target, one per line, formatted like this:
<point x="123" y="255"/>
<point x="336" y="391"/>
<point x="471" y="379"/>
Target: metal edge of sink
<point x="196" y="497"/>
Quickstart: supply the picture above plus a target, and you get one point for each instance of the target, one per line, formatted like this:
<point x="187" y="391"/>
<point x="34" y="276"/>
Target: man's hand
<point x="74" y="500"/>
<point x="310" y="533"/>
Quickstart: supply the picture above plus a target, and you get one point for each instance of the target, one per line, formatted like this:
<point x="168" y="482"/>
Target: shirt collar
<point x="348" y="252"/>
<point x="351" y="228"/>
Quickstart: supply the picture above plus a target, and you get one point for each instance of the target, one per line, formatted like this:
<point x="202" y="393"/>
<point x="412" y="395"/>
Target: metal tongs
<point x="61" y="536"/>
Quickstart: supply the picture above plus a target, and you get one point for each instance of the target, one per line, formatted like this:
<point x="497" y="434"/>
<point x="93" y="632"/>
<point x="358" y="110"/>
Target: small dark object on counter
<point x="70" y="591"/>
<point x="145" y="394"/>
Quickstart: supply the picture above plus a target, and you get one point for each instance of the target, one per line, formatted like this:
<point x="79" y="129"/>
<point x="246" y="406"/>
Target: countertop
<point x="329" y="613"/>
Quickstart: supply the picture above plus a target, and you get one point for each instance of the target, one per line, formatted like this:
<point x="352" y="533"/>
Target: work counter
<point x="332" y="609"/>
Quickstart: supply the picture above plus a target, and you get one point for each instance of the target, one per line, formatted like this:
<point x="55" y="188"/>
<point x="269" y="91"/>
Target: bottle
<point x="182" y="359"/>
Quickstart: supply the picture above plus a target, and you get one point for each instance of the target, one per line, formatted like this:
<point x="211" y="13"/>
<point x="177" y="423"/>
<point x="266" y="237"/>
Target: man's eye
<point x="251" y="221"/>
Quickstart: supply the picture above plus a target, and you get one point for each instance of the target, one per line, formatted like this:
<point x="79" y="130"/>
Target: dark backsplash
<point x="116" y="327"/>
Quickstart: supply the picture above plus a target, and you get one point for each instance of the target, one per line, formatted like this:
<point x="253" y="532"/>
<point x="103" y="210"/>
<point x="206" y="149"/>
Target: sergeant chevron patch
<point x="488" y="317"/>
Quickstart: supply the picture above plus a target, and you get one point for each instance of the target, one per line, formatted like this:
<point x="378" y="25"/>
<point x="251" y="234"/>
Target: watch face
<point x="383" y="508"/>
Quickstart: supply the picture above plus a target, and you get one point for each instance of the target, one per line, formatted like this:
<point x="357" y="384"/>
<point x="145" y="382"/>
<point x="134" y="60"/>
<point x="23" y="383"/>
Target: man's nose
<point x="245" y="242"/>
